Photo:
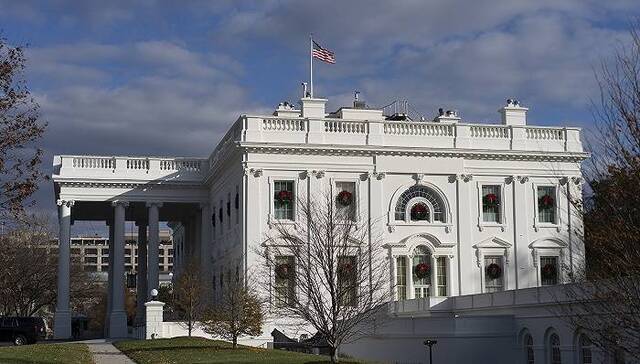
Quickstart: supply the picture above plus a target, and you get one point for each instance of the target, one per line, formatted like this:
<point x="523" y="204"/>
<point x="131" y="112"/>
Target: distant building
<point x="93" y="252"/>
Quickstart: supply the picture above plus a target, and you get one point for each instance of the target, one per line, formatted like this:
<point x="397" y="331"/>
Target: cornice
<point x="127" y="184"/>
<point x="323" y="149"/>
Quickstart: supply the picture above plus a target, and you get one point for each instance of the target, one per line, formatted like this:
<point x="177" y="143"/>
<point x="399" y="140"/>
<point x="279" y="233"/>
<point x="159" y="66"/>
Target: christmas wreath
<point x="491" y="200"/>
<point x="494" y="271"/>
<point x="284" y="196"/>
<point x="545" y="202"/>
<point x="346" y="269"/>
<point x="345" y="198"/>
<point x="422" y="270"/>
<point x="419" y="212"/>
<point x="283" y="271"/>
<point x="549" y="271"/>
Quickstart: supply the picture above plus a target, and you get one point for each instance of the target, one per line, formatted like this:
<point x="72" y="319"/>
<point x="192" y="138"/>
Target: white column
<point x="141" y="273"/>
<point x="205" y="243"/>
<point x="110" y="279"/>
<point x="118" y="318"/>
<point x="153" y="241"/>
<point x="410" y="291"/>
<point x="62" y="322"/>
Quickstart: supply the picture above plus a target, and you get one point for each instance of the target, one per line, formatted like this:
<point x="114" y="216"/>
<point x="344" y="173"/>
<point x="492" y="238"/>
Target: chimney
<point x="513" y="113"/>
<point x="449" y="116"/>
<point x="313" y="107"/>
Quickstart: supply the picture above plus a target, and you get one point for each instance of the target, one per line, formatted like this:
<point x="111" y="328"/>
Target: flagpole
<point x="311" y="64"/>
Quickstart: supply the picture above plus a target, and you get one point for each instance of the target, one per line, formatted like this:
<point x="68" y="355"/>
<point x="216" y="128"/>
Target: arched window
<point x="420" y="203"/>
<point x="553" y="349"/>
<point x="527" y="342"/>
<point x="584" y="349"/>
<point x="422" y="269"/>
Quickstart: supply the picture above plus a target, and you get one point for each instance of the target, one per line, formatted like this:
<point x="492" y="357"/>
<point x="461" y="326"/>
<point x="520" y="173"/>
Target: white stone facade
<point x="222" y="206"/>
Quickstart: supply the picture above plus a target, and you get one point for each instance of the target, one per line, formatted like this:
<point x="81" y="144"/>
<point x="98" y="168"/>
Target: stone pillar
<point x="154" y="325"/>
<point x="110" y="279"/>
<point x="62" y="322"/>
<point x="153" y="241"/>
<point x="118" y="317"/>
<point x="141" y="273"/>
<point x="410" y="291"/>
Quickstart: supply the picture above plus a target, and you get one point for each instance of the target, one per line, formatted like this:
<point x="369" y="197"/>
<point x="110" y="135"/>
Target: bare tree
<point x="606" y="304"/>
<point x="238" y="312"/>
<point x="189" y="295"/>
<point x="325" y="269"/>
<point x="20" y="127"/>
<point x="28" y="271"/>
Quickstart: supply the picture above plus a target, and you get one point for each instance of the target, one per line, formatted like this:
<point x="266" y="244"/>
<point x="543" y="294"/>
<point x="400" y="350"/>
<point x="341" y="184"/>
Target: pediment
<point x="548" y="243"/>
<point x="493" y="242"/>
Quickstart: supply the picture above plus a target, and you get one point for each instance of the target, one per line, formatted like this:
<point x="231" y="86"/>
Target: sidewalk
<point x="105" y="353"/>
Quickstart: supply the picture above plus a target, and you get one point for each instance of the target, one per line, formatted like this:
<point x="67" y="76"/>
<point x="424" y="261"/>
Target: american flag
<point x="322" y="54"/>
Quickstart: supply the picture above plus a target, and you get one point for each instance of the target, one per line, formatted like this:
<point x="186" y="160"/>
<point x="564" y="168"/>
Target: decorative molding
<point x="380" y="175"/>
<point x="256" y="172"/>
<point x="318" y="173"/>
<point x="67" y="203"/>
<point x="577" y="180"/>
<point x="124" y="204"/>
<point x="522" y="179"/>
<point x="158" y="204"/>
<point x="464" y="177"/>
<point x="563" y="181"/>
<point x="418" y="177"/>
<point x="510" y="179"/>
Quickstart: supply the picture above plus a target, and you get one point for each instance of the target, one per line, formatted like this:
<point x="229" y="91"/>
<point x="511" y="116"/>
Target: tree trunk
<point x="334" y="354"/>
<point x="235" y="341"/>
<point x="190" y="325"/>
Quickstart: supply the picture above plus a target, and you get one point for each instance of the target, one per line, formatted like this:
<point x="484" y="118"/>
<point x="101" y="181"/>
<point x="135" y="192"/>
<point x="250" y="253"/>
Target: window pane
<point x="547" y="204"/>
<point x="491" y="200"/>
<point x="401" y="278"/>
<point x="493" y="274"/>
<point x="284" y="280"/>
<point x="346" y="199"/>
<point x="549" y="270"/>
<point x="441" y="276"/>
<point x="283" y="200"/>
<point x="347" y="281"/>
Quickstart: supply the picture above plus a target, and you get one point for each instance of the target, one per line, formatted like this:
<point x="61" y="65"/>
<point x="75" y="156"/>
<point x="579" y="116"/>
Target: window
<point x="91" y="251"/>
<point x="105" y="251"/>
<point x="584" y="348"/>
<point x="441" y="276"/>
<point x="347" y="281"/>
<point x="528" y="349"/>
<point x="491" y="203"/>
<point x="421" y="272"/>
<point x="547" y="204"/>
<point x="75" y="251"/>
<point x="104" y="268"/>
<point x="413" y="202"/>
<point x="283" y="200"/>
<point x="401" y="278"/>
<point x="493" y="274"/>
<point x="127" y="251"/>
<point x="346" y="200"/>
<point x="90" y="260"/>
<point x="127" y="260"/>
<point x="161" y="260"/>
<point x="555" y="357"/>
<point x="285" y="278"/>
<point x="549" y="270"/>
<point x="237" y="205"/>
<point x="90" y="268"/>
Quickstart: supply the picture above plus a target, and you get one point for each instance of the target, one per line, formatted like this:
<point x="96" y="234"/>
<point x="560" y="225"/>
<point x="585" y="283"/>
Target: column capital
<point x="67" y="203"/>
<point x="157" y="204"/>
<point x="120" y="203"/>
<point x="204" y="205"/>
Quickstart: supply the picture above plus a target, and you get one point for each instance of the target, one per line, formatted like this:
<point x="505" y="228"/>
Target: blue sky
<point x="167" y="78"/>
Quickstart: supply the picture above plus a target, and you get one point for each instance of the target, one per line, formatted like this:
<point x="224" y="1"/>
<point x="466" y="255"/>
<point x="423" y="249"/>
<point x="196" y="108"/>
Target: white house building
<point x="462" y="208"/>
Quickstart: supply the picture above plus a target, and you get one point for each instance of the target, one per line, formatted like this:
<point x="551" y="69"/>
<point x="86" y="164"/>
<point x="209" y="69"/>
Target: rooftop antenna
<point x="305" y="93"/>
<point x="356" y="95"/>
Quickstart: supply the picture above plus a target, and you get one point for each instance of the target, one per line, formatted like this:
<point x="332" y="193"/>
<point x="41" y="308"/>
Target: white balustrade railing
<point x="345" y="127"/>
<point x="283" y="124"/>
<point x="415" y="128"/>
<point x="94" y="162"/>
<point x="193" y="165"/>
<point x="490" y="131"/>
<point x="140" y="163"/>
<point x="545" y="133"/>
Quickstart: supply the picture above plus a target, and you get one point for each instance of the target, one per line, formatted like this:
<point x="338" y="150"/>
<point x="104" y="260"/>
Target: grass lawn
<point x="200" y="350"/>
<point x="46" y="353"/>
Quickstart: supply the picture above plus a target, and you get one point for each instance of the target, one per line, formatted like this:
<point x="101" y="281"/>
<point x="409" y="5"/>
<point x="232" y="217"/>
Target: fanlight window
<point x="413" y="202"/>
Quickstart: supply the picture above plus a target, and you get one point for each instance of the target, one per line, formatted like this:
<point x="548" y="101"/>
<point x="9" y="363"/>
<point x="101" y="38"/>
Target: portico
<point x="92" y="189"/>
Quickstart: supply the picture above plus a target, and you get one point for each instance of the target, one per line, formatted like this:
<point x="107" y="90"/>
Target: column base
<point x="62" y="325"/>
<point x="118" y="325"/>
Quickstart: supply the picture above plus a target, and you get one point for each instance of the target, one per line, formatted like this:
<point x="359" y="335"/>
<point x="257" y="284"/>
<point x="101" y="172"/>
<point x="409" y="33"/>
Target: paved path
<point x="105" y="353"/>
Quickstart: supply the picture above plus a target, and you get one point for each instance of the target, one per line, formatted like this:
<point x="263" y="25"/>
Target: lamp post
<point x="430" y="343"/>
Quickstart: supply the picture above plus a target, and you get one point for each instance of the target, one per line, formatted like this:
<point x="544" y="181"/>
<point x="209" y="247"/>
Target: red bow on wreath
<point x="284" y="196"/>
<point x="422" y="270"/>
<point x="419" y="211"/>
<point x="283" y="271"/>
<point x="549" y="271"/>
<point x="344" y="198"/>
<point x="546" y="202"/>
<point x="491" y="199"/>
